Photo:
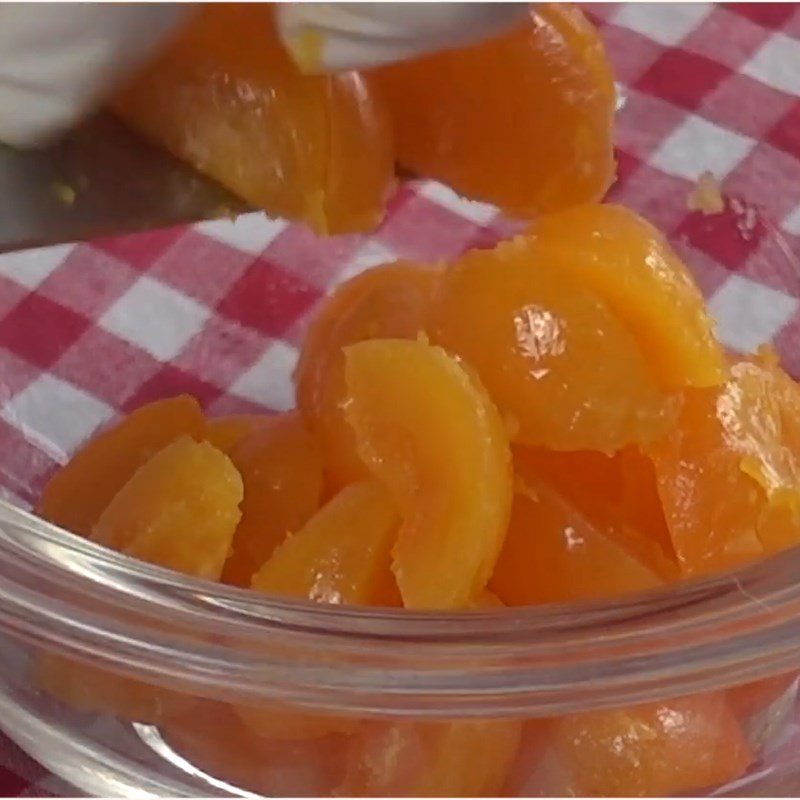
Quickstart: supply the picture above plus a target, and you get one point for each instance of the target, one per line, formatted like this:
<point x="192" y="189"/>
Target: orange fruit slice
<point x="341" y="555"/>
<point x="385" y="302"/>
<point x="468" y="758"/>
<point x="226" y="98"/>
<point x="532" y="334"/>
<point x="523" y="121"/>
<point x="429" y="431"/>
<point x="281" y="468"/>
<point x="211" y="737"/>
<point x="656" y="749"/>
<point x="554" y="554"/>
<point x="628" y="263"/>
<point x="225" y="433"/>
<point x="729" y="485"/>
<point x="77" y="494"/>
<point x="179" y="510"/>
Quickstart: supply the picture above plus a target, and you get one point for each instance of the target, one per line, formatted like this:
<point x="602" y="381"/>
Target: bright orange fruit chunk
<point x="427" y="429"/>
<point x="655" y="749"/>
<point x="623" y="259"/>
<point x="532" y="333"/>
<point x="523" y="121"/>
<point x="468" y="758"/>
<point x="225" y="433"/>
<point x="77" y="494"/>
<point x="341" y="555"/>
<point x="179" y="510"/>
<point x="225" y="97"/>
<point x="281" y="468"/>
<point x="385" y="302"/>
<point x="553" y="554"/>
<point x="213" y="739"/>
<point x="729" y="485"/>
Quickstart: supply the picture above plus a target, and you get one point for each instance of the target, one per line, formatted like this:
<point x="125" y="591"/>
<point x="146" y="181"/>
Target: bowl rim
<point x="72" y="597"/>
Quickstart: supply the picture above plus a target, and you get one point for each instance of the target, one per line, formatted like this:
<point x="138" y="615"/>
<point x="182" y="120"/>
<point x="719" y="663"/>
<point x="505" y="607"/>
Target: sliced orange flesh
<point x="79" y="492"/>
<point x="179" y="510"/>
<point x="656" y="749"/>
<point x="213" y="739"/>
<point x="753" y="698"/>
<point x="554" y="554"/>
<point x="429" y="431"/>
<point x="281" y="468"/>
<point x="385" y="302"/>
<point x="623" y="259"/>
<point x="728" y="484"/>
<point x="617" y="496"/>
<point x="468" y="758"/>
<point x="90" y="689"/>
<point x="545" y="91"/>
<point x="341" y="555"/>
<point x="552" y="355"/>
<point x="225" y="97"/>
<point x="225" y="433"/>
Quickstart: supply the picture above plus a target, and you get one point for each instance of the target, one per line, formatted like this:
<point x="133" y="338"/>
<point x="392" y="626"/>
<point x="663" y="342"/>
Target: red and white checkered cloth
<point x="217" y="309"/>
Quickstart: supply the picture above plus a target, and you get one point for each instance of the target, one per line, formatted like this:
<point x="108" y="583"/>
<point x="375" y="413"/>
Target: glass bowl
<point x="127" y="680"/>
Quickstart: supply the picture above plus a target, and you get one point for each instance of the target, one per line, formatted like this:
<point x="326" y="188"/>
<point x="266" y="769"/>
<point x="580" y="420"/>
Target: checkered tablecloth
<point x="91" y="330"/>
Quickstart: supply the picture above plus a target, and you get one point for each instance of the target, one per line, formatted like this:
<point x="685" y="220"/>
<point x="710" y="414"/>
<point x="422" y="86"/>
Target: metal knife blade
<point x="100" y="180"/>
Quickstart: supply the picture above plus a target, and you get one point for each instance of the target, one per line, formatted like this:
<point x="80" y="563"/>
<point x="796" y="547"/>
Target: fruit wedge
<point x="467" y="758"/>
<point x="729" y="485"/>
<point x="384" y="302"/>
<point x="341" y="555"/>
<point x="281" y="468"/>
<point x="523" y="120"/>
<point x="226" y="98"/>
<point x="429" y="431"/>
<point x="556" y="360"/>
<point x="79" y="492"/>
<point x="659" y="749"/>
<point x="179" y="510"/>
<point x="225" y="433"/>
<point x="623" y="259"/>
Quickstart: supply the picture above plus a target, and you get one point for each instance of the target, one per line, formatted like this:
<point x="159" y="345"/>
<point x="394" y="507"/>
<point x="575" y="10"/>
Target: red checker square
<point x="423" y="230"/>
<point x="599" y="12"/>
<point x="15" y="374"/>
<point x="792" y="25"/>
<point x="88" y="281"/>
<point x="221" y="351"/>
<point x="747" y="106"/>
<point x="644" y="123"/>
<point x="726" y="37"/>
<point x="25" y="466"/>
<point x="10" y="295"/>
<point x="630" y="53"/>
<point x="768" y="178"/>
<point x="317" y="260"/>
<point x="201" y="267"/>
<point x="770" y="15"/>
<point x="141" y="250"/>
<point x="774" y="263"/>
<point x="683" y="78"/>
<point x="786" y="133"/>
<point x="729" y="237"/>
<point x="627" y="166"/>
<point x="170" y="381"/>
<point x="659" y="197"/>
<point x="708" y="274"/>
<point x="268" y="299"/>
<point x="106" y="366"/>
<point x="787" y="343"/>
<point x="41" y="330"/>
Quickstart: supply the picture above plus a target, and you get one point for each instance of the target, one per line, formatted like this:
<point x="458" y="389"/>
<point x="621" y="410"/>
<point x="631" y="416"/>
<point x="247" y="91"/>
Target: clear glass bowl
<point x="173" y="668"/>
